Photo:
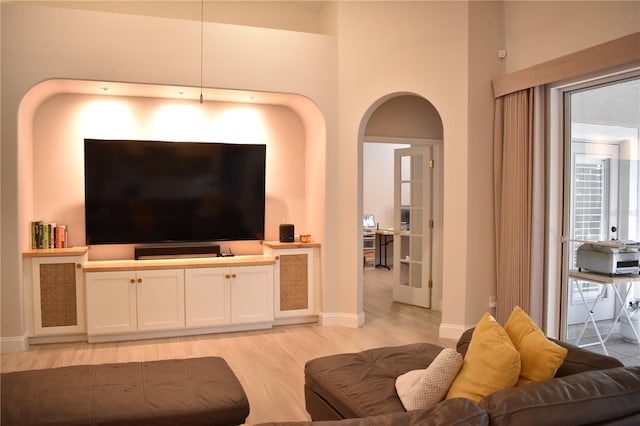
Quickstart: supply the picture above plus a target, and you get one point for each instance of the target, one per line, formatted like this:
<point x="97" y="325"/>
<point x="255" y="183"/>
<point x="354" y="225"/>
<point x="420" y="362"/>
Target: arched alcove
<point x="56" y="115"/>
<point x="396" y="121"/>
<point x="70" y="100"/>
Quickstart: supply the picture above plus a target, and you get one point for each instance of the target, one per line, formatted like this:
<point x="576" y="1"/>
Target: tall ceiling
<point x="303" y="16"/>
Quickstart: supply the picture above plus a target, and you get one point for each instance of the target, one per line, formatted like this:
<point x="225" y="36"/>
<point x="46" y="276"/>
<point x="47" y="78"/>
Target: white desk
<point x="604" y="281"/>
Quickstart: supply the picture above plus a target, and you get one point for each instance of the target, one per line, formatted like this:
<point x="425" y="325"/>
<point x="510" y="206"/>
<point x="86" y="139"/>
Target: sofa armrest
<point x="592" y="397"/>
<point x="579" y="360"/>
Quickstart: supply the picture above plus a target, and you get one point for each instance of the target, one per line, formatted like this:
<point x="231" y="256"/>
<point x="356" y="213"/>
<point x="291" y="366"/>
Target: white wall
<point x="538" y="31"/>
<point x="378" y="181"/>
<point x="425" y="54"/>
<point x="485" y="34"/>
<point x="62" y="123"/>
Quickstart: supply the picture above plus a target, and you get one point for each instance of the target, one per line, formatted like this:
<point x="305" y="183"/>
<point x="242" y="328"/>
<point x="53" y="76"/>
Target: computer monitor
<point x="368" y="221"/>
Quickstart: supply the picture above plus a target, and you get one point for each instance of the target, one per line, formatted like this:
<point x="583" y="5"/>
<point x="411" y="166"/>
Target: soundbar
<point x="175" y="251"/>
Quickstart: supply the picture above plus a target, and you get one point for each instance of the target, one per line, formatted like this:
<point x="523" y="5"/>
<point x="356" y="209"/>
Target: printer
<point x="609" y="257"/>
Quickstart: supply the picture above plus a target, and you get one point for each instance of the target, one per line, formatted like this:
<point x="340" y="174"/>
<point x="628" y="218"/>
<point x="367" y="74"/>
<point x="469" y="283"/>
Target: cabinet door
<point x="111" y="302"/>
<point x="294" y="282"/>
<point x="160" y="299"/>
<point x="207" y="298"/>
<point x="251" y="294"/>
<point x="58" y="298"/>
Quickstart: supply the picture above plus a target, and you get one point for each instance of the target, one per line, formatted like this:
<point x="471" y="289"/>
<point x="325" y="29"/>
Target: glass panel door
<point x="594" y="206"/>
<point x="412" y="230"/>
<point x="601" y="185"/>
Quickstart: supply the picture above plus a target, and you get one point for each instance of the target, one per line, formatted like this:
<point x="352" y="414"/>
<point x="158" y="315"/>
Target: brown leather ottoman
<point x="361" y="384"/>
<point x="194" y="391"/>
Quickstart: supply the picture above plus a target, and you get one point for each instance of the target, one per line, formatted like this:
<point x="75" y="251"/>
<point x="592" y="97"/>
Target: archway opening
<point x="396" y="122"/>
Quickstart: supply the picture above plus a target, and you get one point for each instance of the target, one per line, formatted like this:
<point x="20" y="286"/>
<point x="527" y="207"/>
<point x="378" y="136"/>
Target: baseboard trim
<point x="342" y="319"/>
<point x="66" y="338"/>
<point x="452" y="331"/>
<point x="13" y="344"/>
<point x="295" y="320"/>
<point x="143" y="335"/>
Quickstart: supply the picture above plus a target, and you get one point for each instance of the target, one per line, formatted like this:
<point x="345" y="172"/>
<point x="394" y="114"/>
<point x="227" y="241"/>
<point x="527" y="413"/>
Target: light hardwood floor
<point x="269" y="364"/>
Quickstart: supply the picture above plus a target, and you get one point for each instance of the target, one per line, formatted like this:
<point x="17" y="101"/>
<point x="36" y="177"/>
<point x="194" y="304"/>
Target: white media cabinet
<point x="71" y="298"/>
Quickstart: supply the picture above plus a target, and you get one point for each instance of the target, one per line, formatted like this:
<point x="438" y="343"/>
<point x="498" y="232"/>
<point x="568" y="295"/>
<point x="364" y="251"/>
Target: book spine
<point x="58" y="240"/>
<point x="39" y="234"/>
<point x="63" y="237"/>
<point x="52" y="239"/>
<point x="45" y="235"/>
<point x="34" y="235"/>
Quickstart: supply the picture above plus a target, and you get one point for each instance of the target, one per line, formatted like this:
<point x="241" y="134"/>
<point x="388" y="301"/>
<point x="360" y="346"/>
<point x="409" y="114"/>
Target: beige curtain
<point x="519" y="202"/>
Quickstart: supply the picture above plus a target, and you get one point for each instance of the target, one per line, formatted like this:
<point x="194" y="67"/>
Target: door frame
<point x="437" y="195"/>
<point x="555" y="254"/>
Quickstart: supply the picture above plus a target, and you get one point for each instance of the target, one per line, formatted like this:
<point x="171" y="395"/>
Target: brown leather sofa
<point x="359" y="390"/>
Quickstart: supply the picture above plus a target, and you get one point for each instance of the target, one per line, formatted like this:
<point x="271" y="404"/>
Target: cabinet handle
<point x="79" y="265"/>
<point x="233" y="275"/>
<point x="139" y="280"/>
<point x="277" y="257"/>
<point x="227" y="276"/>
<point x="132" y="281"/>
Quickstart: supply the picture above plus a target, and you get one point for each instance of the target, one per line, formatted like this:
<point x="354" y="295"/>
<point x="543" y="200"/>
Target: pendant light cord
<point x="201" y="44"/>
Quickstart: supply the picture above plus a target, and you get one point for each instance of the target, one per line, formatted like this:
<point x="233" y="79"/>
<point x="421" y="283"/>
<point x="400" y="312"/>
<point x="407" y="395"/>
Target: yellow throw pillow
<point x="539" y="356"/>
<point x="491" y="364"/>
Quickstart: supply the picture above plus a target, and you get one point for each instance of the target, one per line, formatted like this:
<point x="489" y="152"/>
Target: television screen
<point x="152" y="191"/>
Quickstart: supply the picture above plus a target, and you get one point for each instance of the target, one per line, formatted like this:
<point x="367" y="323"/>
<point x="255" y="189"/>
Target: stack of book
<point x="48" y="235"/>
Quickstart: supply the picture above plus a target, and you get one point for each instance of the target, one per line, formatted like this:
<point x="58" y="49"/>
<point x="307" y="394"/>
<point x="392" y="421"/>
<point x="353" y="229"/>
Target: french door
<point x="594" y="211"/>
<point x="413" y="225"/>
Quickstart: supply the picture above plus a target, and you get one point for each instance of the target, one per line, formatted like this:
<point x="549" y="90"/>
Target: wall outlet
<point x="492" y="302"/>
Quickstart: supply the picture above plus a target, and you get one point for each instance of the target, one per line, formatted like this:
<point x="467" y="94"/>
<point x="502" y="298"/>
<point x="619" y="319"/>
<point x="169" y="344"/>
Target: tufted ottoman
<point x="196" y="391"/>
<point x="361" y="384"/>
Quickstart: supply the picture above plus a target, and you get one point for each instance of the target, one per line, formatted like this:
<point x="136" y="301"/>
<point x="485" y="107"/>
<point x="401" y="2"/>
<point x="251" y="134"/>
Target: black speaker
<point x="286" y="233"/>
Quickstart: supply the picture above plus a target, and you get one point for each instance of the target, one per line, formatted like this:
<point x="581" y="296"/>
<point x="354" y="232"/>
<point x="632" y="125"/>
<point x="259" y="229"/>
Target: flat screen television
<point x="158" y="192"/>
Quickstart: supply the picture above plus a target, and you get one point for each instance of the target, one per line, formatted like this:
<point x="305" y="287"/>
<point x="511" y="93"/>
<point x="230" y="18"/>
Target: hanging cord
<point x="201" y="44"/>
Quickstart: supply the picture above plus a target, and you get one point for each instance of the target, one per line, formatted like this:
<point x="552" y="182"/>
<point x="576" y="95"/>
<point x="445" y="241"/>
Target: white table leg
<point x="591" y="318"/>
<point x="623" y="311"/>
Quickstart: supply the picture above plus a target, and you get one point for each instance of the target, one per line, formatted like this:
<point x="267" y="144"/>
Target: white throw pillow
<point x="419" y="389"/>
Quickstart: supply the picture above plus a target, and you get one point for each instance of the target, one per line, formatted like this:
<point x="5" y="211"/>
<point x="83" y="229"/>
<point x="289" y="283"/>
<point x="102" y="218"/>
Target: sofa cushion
<point x="420" y="389"/>
<point x="362" y="384"/>
<point x="592" y="397"/>
<point x="540" y="358"/>
<point x="491" y="363"/>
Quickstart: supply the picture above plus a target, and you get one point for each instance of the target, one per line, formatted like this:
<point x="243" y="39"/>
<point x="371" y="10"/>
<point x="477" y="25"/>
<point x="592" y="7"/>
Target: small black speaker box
<point x="286" y="233"/>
